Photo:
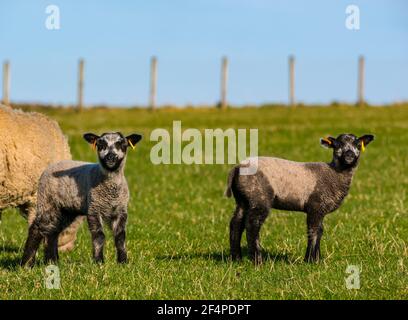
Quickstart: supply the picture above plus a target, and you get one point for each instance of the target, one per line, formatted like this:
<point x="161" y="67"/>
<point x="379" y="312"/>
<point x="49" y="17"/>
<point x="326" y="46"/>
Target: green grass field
<point x="179" y="220"/>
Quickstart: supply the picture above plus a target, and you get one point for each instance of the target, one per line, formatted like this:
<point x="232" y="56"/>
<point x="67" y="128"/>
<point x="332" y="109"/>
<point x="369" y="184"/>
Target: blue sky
<point x="117" y="39"/>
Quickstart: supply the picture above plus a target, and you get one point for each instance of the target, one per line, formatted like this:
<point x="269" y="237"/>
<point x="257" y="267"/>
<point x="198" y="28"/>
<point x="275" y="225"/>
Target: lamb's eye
<point x="101" y="145"/>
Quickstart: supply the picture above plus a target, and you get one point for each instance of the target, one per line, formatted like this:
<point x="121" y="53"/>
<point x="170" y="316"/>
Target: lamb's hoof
<point x="257" y="260"/>
<point x="27" y="264"/>
<point x="236" y="258"/>
<point x="123" y="261"/>
<point x="99" y="260"/>
<point x="311" y="259"/>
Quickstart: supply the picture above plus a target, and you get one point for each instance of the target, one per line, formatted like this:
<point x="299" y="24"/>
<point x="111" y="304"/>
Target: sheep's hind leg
<point x="31" y="246"/>
<point x="254" y="220"/>
<point x="51" y="248"/>
<point x="314" y="235"/>
<point x="237" y="226"/>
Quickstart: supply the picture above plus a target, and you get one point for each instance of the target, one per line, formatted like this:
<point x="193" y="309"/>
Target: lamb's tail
<point x="231" y="175"/>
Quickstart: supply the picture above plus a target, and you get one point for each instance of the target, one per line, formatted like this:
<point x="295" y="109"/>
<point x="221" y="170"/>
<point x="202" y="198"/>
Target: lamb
<point x="69" y="189"/>
<point x="24" y="154"/>
<point x="315" y="188"/>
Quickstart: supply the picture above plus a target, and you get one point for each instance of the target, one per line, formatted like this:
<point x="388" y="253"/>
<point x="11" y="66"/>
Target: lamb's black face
<point x="112" y="147"/>
<point x="347" y="148"/>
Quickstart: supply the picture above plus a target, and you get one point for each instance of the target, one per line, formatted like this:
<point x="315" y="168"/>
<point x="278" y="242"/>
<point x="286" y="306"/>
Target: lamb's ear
<point x="327" y="142"/>
<point x="91" y="138"/>
<point x="133" y="139"/>
<point x="366" y="139"/>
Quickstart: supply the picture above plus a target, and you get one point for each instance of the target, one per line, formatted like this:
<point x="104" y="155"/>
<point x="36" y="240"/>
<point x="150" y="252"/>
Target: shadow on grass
<point x="10" y="263"/>
<point x="223" y="257"/>
<point x="9" y="248"/>
<point x="12" y="256"/>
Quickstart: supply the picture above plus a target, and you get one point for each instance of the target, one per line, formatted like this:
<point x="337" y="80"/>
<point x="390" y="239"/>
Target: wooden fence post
<point x="80" y="84"/>
<point x="153" y="83"/>
<point x="224" y="83"/>
<point x="361" y="80"/>
<point x="6" y="82"/>
<point x="292" y="81"/>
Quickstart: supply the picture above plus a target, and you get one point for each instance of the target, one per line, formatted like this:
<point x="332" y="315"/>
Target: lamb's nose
<point x="110" y="156"/>
<point x="349" y="154"/>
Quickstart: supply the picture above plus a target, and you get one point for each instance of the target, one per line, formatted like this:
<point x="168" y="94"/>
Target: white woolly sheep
<point x="29" y="142"/>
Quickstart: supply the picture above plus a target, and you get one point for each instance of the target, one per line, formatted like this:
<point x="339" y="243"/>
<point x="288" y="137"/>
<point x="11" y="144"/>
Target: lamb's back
<point x="292" y="182"/>
<point x="66" y="184"/>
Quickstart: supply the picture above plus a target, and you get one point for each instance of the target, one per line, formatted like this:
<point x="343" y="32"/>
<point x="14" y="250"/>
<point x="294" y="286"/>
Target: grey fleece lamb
<point x="69" y="189"/>
<point x="315" y="188"/>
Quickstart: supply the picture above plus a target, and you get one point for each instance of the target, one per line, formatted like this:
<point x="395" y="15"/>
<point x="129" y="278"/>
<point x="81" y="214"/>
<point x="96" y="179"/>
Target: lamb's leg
<point x="119" y="233"/>
<point x="314" y="234"/>
<point x="316" y="254"/>
<point x="31" y="246"/>
<point x="237" y="226"/>
<point x="254" y="220"/>
<point x="98" y="237"/>
<point x="51" y="248"/>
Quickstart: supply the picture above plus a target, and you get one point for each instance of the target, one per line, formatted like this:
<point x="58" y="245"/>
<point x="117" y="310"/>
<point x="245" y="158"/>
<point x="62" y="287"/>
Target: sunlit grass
<point x="178" y="217"/>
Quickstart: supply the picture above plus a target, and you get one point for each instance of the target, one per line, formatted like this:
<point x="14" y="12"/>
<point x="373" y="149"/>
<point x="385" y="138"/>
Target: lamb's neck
<point x="116" y="176"/>
<point x="345" y="175"/>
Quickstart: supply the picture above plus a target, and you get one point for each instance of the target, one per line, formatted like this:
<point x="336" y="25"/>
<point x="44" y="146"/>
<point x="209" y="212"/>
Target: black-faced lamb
<point x="99" y="191"/>
<point x="315" y="188"/>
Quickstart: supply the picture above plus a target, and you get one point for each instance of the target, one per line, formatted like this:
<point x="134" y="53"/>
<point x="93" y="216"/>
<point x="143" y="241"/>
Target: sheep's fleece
<point x="29" y="142"/>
